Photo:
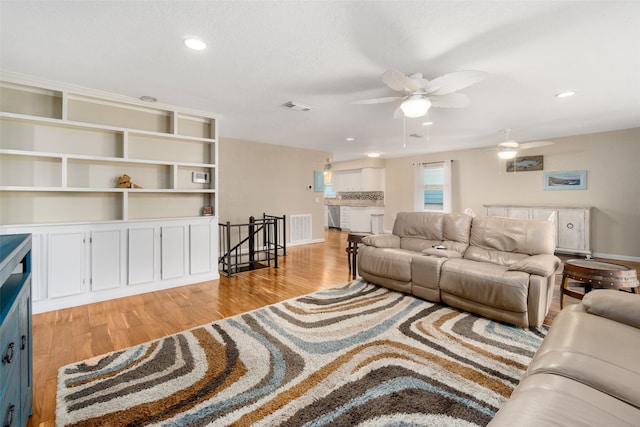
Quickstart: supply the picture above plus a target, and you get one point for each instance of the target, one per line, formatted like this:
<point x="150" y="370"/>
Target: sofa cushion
<point x="506" y="259"/>
<point x="486" y="283"/>
<point x="417" y="245"/>
<point x="622" y="307"/>
<point x="382" y="241"/>
<point x="442" y="253"/>
<point x="593" y="350"/>
<point x="546" y="400"/>
<point x="394" y="264"/>
<point x="421" y="225"/>
<point x="541" y="265"/>
<point x="512" y="235"/>
<point x="457" y="228"/>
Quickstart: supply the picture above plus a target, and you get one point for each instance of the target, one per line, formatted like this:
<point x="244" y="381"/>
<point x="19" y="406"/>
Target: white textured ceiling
<point x="327" y="54"/>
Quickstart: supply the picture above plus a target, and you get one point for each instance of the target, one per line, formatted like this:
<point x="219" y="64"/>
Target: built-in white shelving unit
<point x="62" y="149"/>
<point x="59" y="146"/>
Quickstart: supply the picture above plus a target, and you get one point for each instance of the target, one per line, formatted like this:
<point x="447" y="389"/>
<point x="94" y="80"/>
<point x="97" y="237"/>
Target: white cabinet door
<point x="571" y="229"/>
<point x="360" y="220"/>
<point x="345" y="217"/>
<point x="106" y="259"/>
<point x="142" y="243"/>
<point x="66" y="260"/>
<point x="172" y="252"/>
<point x="372" y="179"/>
<point x="200" y="248"/>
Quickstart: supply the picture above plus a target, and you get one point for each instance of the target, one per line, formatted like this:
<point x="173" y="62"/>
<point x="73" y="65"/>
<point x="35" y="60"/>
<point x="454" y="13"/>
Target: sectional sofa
<point x="586" y="372"/>
<point x="500" y="268"/>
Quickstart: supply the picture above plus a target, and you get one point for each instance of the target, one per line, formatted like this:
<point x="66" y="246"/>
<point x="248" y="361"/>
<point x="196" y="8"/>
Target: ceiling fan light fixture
<point x="415" y="106"/>
<point x="195" y="44"/>
<point x="507" y="154"/>
<point x="565" y="94"/>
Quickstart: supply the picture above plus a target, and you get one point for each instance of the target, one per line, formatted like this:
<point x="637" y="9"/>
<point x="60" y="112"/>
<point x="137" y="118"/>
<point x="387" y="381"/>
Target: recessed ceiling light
<point x="195" y="44"/>
<point x="565" y="94"/>
<point x="351" y="139"/>
<point x="147" y="98"/>
<point x="373" y="155"/>
<point x="427" y="123"/>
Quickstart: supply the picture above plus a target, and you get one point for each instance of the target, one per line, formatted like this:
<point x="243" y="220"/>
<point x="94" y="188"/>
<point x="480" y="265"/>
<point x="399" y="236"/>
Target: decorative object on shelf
<point x="124" y="181"/>
<point x="571" y="180"/>
<point x="207" y="211"/>
<point x="525" y="164"/>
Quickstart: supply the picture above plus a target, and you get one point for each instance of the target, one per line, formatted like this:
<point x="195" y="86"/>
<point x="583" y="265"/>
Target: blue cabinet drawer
<point x="10" y="402"/>
<point x="9" y="346"/>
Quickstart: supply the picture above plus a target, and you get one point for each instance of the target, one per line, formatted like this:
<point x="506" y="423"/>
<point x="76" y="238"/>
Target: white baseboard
<point x="305" y="242"/>
<point x="617" y="257"/>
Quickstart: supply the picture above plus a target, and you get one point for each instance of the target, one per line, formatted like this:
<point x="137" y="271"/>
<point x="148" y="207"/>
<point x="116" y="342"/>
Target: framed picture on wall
<point x="571" y="180"/>
<point x="525" y="164"/>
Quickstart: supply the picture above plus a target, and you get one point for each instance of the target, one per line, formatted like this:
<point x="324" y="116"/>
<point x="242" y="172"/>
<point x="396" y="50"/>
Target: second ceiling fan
<point x="509" y="148"/>
<point x="419" y="94"/>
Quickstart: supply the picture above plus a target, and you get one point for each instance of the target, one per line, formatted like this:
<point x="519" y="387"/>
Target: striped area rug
<point x="356" y="354"/>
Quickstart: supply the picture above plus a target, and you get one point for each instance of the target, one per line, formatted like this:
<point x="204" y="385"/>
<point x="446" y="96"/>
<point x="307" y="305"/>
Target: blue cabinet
<point x="16" y="373"/>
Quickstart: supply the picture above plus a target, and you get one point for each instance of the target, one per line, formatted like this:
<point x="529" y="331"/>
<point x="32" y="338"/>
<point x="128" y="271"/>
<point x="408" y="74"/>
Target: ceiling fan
<point x="419" y="94"/>
<point x="509" y="148"/>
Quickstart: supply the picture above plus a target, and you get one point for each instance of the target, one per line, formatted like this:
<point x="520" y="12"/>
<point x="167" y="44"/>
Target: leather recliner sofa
<point x="499" y="268"/>
<point x="586" y="372"/>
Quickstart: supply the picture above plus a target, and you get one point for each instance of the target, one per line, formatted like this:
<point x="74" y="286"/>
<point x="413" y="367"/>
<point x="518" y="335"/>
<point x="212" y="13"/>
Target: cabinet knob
<point x="7" y="356"/>
<point x="8" y="417"/>
<point x="569" y="226"/>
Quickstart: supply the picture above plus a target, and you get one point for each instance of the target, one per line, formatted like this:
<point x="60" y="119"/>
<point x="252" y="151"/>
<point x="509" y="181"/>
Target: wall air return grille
<point x="300" y="228"/>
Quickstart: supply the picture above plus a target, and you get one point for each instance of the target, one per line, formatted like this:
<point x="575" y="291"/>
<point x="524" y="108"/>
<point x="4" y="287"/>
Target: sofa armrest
<point x="442" y="253"/>
<point x="541" y="265"/>
<point x="622" y="307"/>
<point x="382" y="241"/>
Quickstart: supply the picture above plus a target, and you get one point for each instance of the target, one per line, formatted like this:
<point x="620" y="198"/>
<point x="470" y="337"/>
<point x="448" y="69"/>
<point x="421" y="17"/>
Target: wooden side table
<point x="596" y="274"/>
<point x="353" y="240"/>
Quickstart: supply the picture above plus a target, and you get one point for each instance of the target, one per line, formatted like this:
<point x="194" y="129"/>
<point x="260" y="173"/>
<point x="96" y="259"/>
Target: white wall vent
<point x="300" y="228"/>
<point x="292" y="105"/>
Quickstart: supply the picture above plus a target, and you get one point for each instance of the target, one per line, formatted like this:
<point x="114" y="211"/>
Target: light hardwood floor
<point x="64" y="336"/>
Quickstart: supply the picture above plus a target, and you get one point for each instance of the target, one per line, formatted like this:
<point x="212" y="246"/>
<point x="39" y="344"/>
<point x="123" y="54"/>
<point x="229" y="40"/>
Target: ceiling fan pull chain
<point x="404" y="131"/>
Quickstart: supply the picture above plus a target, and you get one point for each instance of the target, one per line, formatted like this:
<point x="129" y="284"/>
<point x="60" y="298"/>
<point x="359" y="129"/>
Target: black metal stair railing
<point x="257" y="244"/>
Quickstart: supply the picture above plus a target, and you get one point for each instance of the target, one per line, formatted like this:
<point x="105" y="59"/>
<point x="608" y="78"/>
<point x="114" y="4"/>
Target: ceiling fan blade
<point x="398" y="81"/>
<point x="451" y="100"/>
<point x="378" y="100"/>
<point x="526" y="145"/>
<point x="452" y="82"/>
<point x="398" y="113"/>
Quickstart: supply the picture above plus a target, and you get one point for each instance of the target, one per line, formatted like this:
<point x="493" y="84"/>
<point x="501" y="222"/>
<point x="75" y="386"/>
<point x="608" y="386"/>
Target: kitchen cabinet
<point x="358" y="218"/>
<point x="365" y="179"/>
<point x="373" y="179"/>
<point x="572" y="224"/>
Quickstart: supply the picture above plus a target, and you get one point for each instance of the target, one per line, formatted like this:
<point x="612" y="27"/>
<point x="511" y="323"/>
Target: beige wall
<point x="612" y="161"/>
<point x="256" y="178"/>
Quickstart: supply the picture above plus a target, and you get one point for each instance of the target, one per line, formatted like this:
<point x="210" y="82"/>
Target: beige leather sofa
<point x="586" y="372"/>
<point x="499" y="268"/>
